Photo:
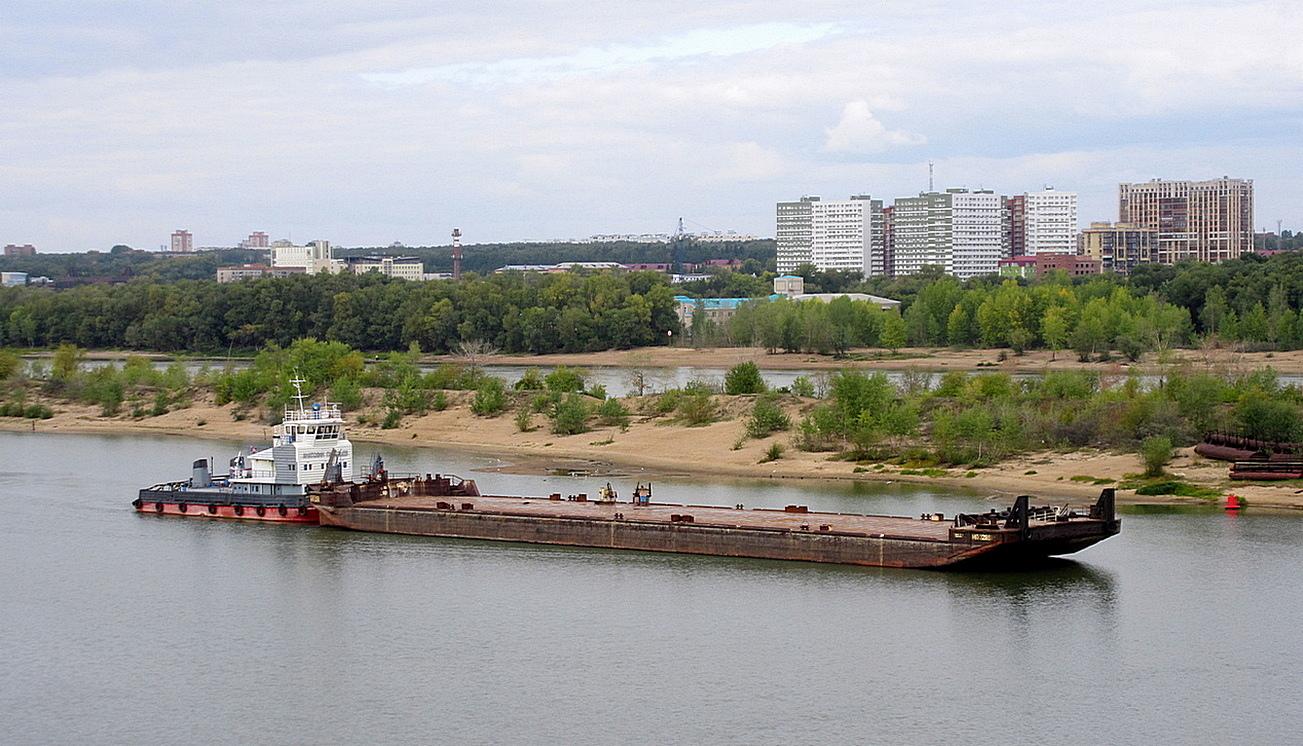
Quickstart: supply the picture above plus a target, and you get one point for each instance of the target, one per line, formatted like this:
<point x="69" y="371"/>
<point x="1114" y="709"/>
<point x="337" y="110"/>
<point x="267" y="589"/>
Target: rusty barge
<point x="446" y="506"/>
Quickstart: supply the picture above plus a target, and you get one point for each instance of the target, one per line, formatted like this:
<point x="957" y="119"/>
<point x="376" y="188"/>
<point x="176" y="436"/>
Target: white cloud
<point x="749" y="161"/>
<point x="724" y="42"/>
<point x="522" y="119"/>
<point x="859" y="131"/>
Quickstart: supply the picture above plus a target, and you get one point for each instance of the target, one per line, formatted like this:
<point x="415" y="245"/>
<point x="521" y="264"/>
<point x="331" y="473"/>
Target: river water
<point x="124" y="628"/>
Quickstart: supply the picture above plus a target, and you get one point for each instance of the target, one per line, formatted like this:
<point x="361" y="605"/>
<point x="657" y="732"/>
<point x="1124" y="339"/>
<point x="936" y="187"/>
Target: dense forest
<point x="1254" y="301"/>
<point x="519" y="312"/>
<point x="485" y="258"/>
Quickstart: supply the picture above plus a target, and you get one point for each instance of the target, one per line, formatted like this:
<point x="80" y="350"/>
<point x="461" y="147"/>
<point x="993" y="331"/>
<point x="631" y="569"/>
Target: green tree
<point x="1215" y="310"/>
<point x="1054" y="328"/>
<point x="490" y="397"/>
<point x="66" y="362"/>
<point x="958" y="326"/>
<point x="1091" y="335"/>
<point x="766" y="417"/>
<point x="10" y="363"/>
<point x="696" y="409"/>
<point x="1255" y="326"/>
<point x="744" y="378"/>
<point x="564" y="379"/>
<point x="893" y="331"/>
<point x="1267" y="418"/>
<point x="1156" y="452"/>
<point x="570" y="416"/>
<point x="613" y="412"/>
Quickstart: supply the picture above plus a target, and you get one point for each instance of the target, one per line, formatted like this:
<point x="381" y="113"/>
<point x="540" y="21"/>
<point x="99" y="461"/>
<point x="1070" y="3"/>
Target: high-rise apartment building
<point x="958" y="231"/>
<point x="1049" y="223"/>
<point x="1209" y="221"/>
<point x="1015" y="221"/>
<point x="256" y="240"/>
<point x="794" y="240"/>
<point x="834" y="235"/>
<point x="1118" y="246"/>
<point x="889" y="241"/>
<point x="183" y="241"/>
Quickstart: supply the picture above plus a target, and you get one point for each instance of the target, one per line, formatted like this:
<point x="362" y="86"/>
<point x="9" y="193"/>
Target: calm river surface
<point x="123" y="628"/>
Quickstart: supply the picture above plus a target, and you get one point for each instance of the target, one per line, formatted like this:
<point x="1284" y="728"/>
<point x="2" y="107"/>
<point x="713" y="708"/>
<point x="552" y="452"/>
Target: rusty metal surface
<point x="689" y="538"/>
<point x="793" y="533"/>
<point x="866" y="525"/>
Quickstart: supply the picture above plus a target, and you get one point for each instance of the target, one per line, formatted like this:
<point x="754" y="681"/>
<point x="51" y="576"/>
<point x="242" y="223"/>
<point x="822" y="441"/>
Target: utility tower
<point x="456" y="254"/>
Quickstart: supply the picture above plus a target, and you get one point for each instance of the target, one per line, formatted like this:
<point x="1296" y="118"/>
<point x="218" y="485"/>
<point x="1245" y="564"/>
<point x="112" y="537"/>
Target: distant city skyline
<point x="369" y="124"/>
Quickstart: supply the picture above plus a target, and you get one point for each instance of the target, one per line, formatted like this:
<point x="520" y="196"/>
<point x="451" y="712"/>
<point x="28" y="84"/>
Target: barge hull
<point x="655" y="537"/>
<point x="877" y="541"/>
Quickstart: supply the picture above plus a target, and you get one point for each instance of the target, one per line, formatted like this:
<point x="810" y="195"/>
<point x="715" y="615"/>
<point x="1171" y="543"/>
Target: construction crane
<point x="678" y="245"/>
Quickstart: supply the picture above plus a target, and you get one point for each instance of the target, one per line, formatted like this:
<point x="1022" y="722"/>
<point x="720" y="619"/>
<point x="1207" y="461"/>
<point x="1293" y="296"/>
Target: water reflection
<point x="1054" y="580"/>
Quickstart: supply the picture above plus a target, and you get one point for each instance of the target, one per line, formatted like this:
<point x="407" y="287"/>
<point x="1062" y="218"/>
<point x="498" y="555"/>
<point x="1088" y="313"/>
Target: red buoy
<point x="1232" y="502"/>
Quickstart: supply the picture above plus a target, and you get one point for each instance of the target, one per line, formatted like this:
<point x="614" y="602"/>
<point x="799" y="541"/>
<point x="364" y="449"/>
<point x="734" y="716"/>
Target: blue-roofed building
<point x="715" y="309"/>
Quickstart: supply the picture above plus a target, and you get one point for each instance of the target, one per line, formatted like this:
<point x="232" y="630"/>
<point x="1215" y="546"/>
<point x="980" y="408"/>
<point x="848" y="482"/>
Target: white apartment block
<point x="834" y="235"/>
<point x="958" y="231"/>
<point x="1050" y="222"/>
<point x="313" y="257"/>
<point x="795" y="236"/>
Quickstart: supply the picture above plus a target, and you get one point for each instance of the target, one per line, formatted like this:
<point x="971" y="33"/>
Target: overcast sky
<point x="365" y="123"/>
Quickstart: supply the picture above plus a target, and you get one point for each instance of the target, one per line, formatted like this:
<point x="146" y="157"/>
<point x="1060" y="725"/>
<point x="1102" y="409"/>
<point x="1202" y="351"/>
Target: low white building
<point x="793" y="287"/>
<point x="314" y="257"/>
<point x="402" y="267"/>
<point x="885" y="304"/>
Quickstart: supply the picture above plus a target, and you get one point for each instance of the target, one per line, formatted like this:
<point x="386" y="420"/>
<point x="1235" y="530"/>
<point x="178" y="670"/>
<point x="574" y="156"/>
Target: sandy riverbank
<point x="662" y="449"/>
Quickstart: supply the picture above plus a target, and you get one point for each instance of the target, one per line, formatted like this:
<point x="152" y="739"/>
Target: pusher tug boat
<point x="309" y="450"/>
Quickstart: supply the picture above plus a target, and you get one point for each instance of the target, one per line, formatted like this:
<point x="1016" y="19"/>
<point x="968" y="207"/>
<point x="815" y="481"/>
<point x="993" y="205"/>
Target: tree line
<point x="483" y="259"/>
<point x="122" y="263"/>
<point x="514" y="312"/>
<point x="1255" y="301"/>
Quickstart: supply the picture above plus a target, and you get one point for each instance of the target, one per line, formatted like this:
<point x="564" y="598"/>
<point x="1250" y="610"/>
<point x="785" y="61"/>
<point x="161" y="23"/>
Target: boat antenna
<point x="299" y="396"/>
